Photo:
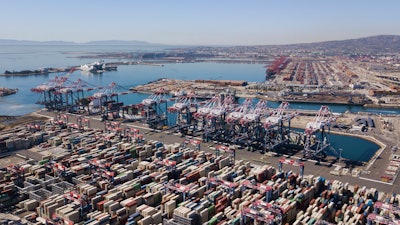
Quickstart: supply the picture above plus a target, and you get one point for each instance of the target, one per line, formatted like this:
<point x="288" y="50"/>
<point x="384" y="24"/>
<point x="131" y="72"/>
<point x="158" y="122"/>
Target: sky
<point x="202" y="22"/>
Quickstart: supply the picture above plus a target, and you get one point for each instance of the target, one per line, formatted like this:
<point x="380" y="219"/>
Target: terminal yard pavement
<point x="369" y="179"/>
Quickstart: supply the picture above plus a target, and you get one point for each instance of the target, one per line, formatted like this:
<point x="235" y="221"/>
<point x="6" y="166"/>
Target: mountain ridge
<point x="99" y="42"/>
<point x="378" y="41"/>
<point x="371" y="43"/>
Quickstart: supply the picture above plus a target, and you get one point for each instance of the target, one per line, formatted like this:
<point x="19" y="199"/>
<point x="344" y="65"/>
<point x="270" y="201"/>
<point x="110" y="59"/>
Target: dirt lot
<point x="11" y="121"/>
<point x="10" y="160"/>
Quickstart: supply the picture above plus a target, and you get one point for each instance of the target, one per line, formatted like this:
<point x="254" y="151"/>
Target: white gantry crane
<point x="277" y="134"/>
<point x="317" y="134"/>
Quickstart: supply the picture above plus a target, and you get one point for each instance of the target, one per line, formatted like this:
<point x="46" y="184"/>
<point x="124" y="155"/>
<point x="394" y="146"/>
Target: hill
<point x="373" y="44"/>
<point x="117" y="42"/>
<point x="27" y="42"/>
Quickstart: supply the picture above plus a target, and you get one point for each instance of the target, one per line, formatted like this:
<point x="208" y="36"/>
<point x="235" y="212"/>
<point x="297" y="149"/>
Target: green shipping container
<point x="213" y="221"/>
<point x="157" y="199"/>
<point x="43" y="161"/>
<point x="121" y="174"/>
<point x="211" y="211"/>
<point x="236" y="221"/>
<point x="133" y="153"/>
<point x="136" y="186"/>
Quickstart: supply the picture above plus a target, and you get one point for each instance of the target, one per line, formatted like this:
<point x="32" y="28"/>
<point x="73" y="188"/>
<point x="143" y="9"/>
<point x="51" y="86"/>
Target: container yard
<point x="118" y="175"/>
<point x="333" y="80"/>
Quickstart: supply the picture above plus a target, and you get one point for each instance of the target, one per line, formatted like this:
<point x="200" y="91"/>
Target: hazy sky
<point x="202" y="22"/>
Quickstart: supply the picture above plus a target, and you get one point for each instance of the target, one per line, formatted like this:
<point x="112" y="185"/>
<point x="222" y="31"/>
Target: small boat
<point x="7" y="91"/>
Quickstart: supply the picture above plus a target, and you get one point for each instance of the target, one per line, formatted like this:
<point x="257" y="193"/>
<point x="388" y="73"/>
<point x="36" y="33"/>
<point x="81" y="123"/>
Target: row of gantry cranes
<point x="221" y="119"/>
<point x="253" y="126"/>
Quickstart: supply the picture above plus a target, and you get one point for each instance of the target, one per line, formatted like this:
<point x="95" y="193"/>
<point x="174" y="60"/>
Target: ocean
<point x="34" y="57"/>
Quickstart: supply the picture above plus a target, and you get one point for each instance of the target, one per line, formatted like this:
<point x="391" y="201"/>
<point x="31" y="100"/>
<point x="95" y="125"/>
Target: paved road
<point x="259" y="159"/>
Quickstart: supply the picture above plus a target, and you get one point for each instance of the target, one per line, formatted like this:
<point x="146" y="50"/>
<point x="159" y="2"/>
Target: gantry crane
<point x="206" y="107"/>
<point x="54" y="93"/>
<point x="82" y="200"/>
<point x="293" y="163"/>
<point x="258" y="216"/>
<point x="195" y="143"/>
<point x="234" y="128"/>
<point x="106" y="102"/>
<point x="15" y="171"/>
<point x="252" y="132"/>
<point x="317" y="135"/>
<point x="227" y="150"/>
<point x="180" y="188"/>
<point x="211" y="117"/>
<point x="255" y="113"/>
<point x="83" y="122"/>
<point x="262" y="211"/>
<point x="230" y="186"/>
<point x="154" y="109"/>
<point x="184" y="108"/>
<point x="58" y="169"/>
<point x="113" y="127"/>
<point x="378" y="219"/>
<point x="72" y="196"/>
<point x="391" y="211"/>
<point x="322" y="222"/>
<point x="268" y="206"/>
<point x="238" y="113"/>
<point x="386" y="206"/>
<point x="133" y="134"/>
<point x="169" y="164"/>
<point x="60" y="119"/>
<point x="277" y="135"/>
<point x="102" y="168"/>
<point x="262" y="188"/>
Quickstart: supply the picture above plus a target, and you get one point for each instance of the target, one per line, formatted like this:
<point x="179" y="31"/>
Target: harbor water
<point x="34" y="57"/>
